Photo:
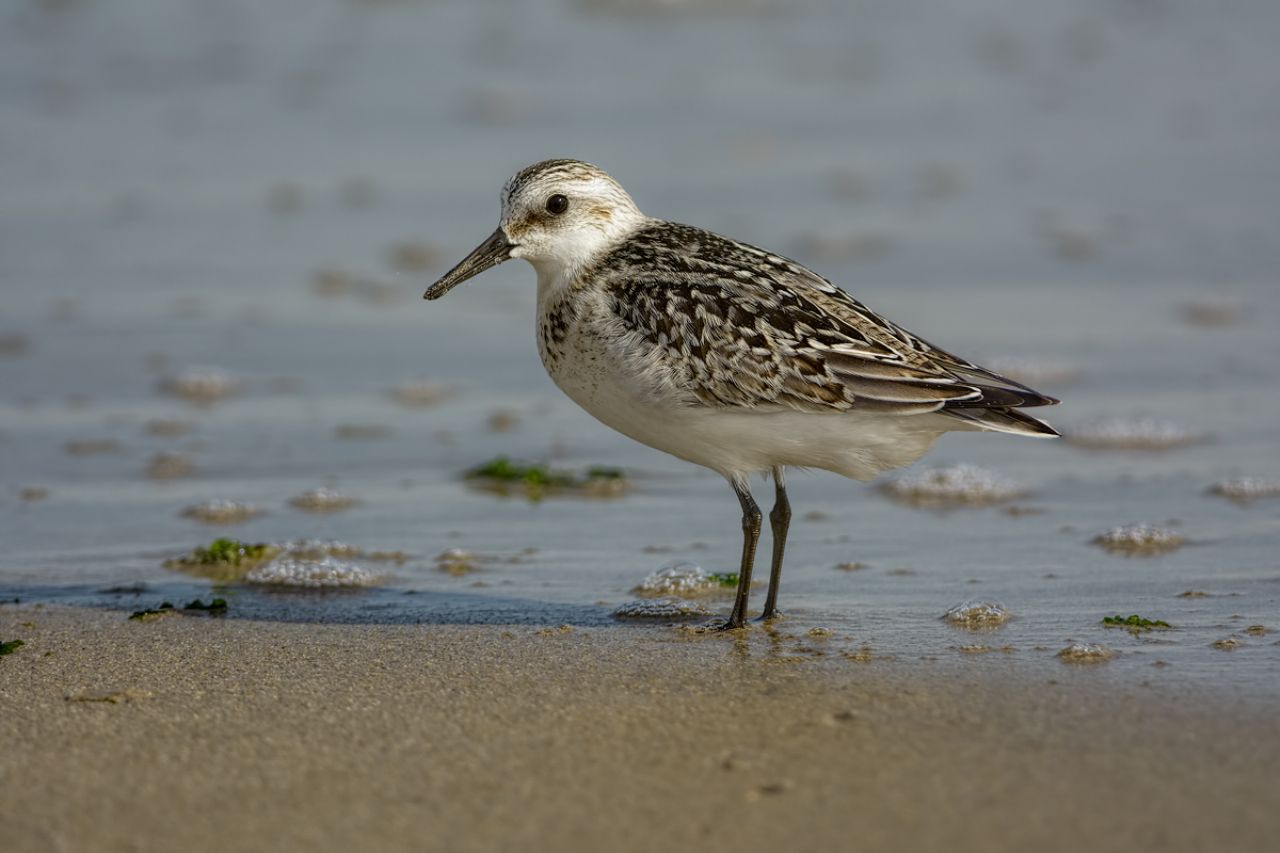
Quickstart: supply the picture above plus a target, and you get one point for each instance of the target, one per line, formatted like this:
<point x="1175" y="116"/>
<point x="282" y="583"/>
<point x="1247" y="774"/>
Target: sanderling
<point x="726" y="355"/>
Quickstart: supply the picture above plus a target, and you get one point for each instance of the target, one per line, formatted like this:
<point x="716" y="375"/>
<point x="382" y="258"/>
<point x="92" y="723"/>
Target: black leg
<point x="779" y="520"/>
<point x="751" y="521"/>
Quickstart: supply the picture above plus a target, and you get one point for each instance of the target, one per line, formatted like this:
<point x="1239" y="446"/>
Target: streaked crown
<point x="558" y="214"/>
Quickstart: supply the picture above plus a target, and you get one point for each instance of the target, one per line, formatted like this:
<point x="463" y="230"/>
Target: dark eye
<point x="557" y="204"/>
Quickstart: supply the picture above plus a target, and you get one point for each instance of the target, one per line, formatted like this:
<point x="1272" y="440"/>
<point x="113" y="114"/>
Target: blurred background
<point x="218" y="217"/>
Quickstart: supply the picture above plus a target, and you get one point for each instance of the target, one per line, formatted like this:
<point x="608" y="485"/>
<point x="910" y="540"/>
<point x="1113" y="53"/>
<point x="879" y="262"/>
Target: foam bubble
<point x="1246" y="489"/>
<point x="1140" y="540"/>
<point x="221" y="512"/>
<point x="956" y="485"/>
<point x="323" y="500"/>
<point x="977" y="615"/>
<point x="1133" y="434"/>
<point x="324" y="573"/>
<point x="679" y="579"/>
<point x="201" y="384"/>
<point x="1086" y="653"/>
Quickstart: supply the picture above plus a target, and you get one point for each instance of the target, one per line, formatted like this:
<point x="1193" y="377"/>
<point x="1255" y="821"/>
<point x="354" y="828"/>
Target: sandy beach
<point x="217" y="224"/>
<point x="202" y="733"/>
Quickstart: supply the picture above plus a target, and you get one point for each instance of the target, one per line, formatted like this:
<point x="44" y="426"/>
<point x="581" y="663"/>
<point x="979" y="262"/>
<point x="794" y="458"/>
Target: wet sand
<point x="218" y="734"/>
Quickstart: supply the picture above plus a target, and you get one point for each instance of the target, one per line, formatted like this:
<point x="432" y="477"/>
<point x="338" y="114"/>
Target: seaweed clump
<point x="224" y="559"/>
<point x="504" y="477"/>
<point x="1134" y="623"/>
<point x="8" y="647"/>
<point x="215" y="607"/>
<point x="149" y="613"/>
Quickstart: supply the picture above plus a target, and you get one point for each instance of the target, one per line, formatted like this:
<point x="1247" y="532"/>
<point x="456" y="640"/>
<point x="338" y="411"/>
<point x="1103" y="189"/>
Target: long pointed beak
<point x="488" y="254"/>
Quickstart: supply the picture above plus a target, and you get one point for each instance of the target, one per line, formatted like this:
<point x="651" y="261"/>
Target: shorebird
<point x="726" y="355"/>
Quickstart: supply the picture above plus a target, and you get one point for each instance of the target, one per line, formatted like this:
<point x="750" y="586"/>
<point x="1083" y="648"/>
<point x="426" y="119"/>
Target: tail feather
<point x="1003" y="420"/>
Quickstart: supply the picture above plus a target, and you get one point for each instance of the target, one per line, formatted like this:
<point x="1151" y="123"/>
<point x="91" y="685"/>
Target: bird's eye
<point x="557" y="204"/>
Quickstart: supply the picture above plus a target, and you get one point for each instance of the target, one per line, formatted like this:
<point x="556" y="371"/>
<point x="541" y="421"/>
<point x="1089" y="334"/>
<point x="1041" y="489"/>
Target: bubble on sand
<point x="1246" y="489"/>
<point x="457" y="561"/>
<point x="660" y="608"/>
<point x="201" y="385"/>
<point x="284" y="198"/>
<point x="837" y="248"/>
<point x="318" y="549"/>
<point x="503" y="420"/>
<point x="323" y="573"/>
<point x="168" y="465"/>
<point x="13" y="344"/>
<point x="168" y="428"/>
<point x="956" y="485"/>
<point x="331" y="282"/>
<point x="975" y="615"/>
<point x="1086" y="653"/>
<point x="323" y="500"/>
<point x="357" y="191"/>
<point x="979" y="649"/>
<point x="361" y="432"/>
<point x="221" y="512"/>
<point x="679" y="579"/>
<point x="1143" y="540"/>
<point x="92" y="446"/>
<point x="420" y="394"/>
<point x="1133" y="434"/>
<point x="1213" y="313"/>
<point x="414" y="256"/>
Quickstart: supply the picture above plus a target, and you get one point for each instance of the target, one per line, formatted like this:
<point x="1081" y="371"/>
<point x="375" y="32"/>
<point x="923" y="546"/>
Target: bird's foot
<point x="769" y="616"/>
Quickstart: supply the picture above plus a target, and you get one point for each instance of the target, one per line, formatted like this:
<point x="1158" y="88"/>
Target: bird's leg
<point x="751" y="521"/>
<point x="779" y="520"/>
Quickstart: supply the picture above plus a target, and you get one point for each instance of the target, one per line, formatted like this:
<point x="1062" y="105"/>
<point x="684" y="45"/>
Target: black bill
<point x="488" y="254"/>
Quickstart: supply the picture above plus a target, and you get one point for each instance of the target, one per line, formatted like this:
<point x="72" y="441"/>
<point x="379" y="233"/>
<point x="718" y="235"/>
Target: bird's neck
<point x="560" y="274"/>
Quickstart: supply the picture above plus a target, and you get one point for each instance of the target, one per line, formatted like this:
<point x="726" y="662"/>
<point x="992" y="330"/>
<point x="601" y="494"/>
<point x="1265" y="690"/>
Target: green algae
<point x="1134" y="623"/>
<point x="725" y="579"/>
<point x="146" y="615"/>
<point x="224" y="559"/>
<point x="215" y="607"/>
<point x="536" y="481"/>
<point x="8" y="647"/>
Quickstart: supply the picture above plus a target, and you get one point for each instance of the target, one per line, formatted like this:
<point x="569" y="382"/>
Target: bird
<point x="726" y="355"/>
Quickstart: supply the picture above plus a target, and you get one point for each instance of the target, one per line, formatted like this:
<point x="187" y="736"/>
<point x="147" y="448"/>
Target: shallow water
<point x="1066" y="186"/>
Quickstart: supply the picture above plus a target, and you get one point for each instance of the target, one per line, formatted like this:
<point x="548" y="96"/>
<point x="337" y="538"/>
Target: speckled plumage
<point x="743" y="327"/>
<point x="724" y="354"/>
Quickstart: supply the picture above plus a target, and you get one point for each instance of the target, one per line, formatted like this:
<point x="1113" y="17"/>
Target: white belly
<point x="638" y="402"/>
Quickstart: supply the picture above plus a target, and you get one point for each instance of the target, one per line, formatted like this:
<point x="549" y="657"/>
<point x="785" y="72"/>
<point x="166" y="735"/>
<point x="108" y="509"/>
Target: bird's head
<point x="558" y="215"/>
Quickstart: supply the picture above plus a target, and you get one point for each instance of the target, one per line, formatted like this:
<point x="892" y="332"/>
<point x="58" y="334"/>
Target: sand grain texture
<point x="253" y="735"/>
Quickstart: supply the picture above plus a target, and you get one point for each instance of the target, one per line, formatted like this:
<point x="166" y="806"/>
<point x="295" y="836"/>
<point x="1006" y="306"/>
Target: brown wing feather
<point x="745" y="327"/>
